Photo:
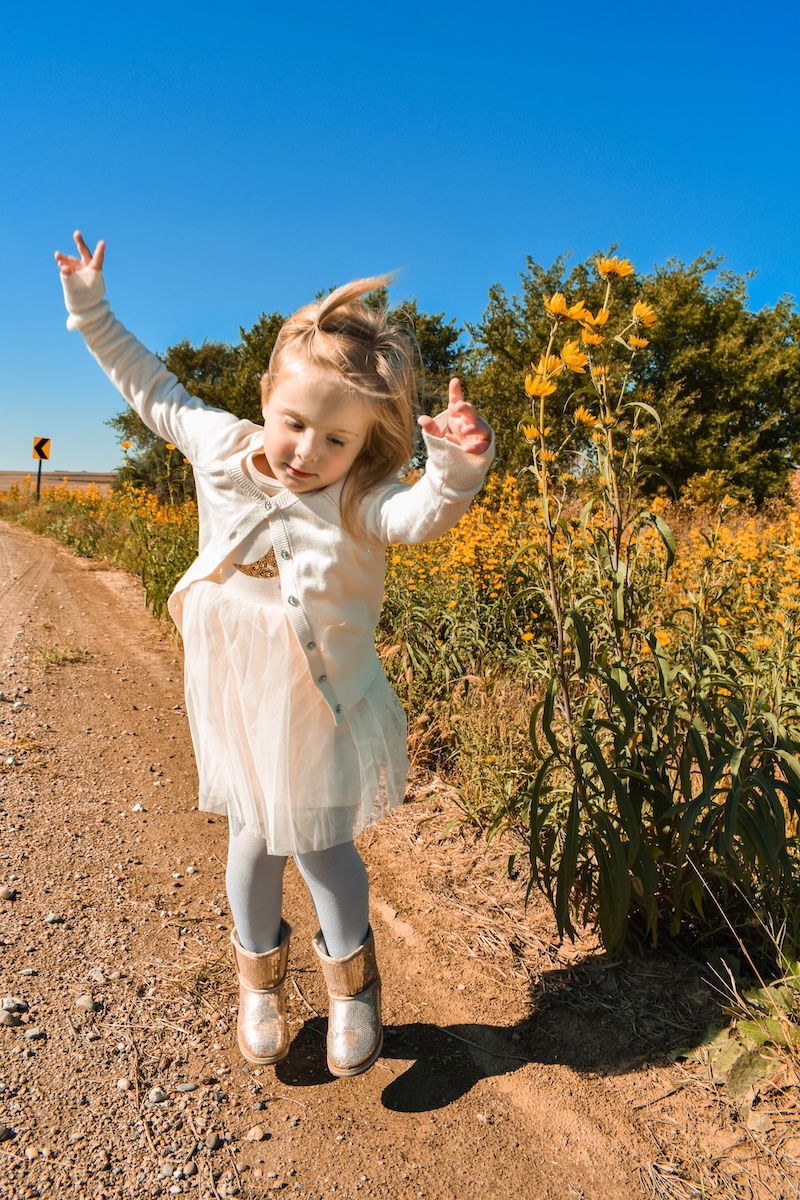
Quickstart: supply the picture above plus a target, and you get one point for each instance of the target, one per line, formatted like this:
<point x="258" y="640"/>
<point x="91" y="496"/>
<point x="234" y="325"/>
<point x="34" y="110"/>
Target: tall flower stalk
<point x="652" y="746"/>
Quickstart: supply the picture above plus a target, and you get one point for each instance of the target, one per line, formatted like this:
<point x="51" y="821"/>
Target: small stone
<point x="88" y="1004"/>
<point x="31" y="1152"/>
<point x="29" y="971"/>
<point x="191" y="870"/>
<point x="14" y="1005"/>
<point x="123" y="1085"/>
<point x="213" y="1140"/>
<point x="188" y="1086"/>
<point x="8" y="893"/>
<point x="190" y="1169"/>
<point x="93" y="1036"/>
<point x="138" y="808"/>
<point x="35" y="1034"/>
<point x="6" y="1133"/>
<point x="54" y="919"/>
<point x="9" y="1018"/>
<point x="96" y="975"/>
<point x="157" y="1095"/>
<point x="257" y="1134"/>
<point x="17" y="705"/>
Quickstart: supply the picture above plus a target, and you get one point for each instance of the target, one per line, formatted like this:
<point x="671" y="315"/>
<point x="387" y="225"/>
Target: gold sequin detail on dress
<point x="263" y="568"/>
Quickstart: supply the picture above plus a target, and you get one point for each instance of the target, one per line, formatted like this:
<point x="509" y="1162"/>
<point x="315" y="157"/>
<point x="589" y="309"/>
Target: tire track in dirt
<point x="21" y="580"/>
<point x="99" y="825"/>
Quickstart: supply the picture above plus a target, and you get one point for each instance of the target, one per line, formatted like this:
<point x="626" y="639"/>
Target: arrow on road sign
<point x="41" y="448"/>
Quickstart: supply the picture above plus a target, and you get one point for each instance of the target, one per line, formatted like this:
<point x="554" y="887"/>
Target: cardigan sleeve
<point x="436" y="502"/>
<point x="145" y="383"/>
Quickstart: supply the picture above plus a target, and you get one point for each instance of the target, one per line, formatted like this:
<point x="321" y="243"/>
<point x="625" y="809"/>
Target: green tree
<point x="725" y="380"/>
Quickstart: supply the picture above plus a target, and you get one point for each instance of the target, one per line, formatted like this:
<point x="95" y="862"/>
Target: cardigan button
<point x="311" y="645"/>
<point x="268" y="505"/>
<point x="322" y="679"/>
<point x="338" y="708"/>
<point x="294" y="601"/>
<point x="285" y="554"/>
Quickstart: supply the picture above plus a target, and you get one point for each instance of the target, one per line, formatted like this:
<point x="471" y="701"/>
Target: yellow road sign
<point x="41" y="447"/>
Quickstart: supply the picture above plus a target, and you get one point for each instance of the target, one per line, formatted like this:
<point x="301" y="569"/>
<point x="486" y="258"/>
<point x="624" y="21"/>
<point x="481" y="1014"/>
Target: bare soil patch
<point x="512" y="1067"/>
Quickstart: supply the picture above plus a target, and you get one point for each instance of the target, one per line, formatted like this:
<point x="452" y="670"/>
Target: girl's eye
<point x="294" y="424"/>
<point x="337" y="442"/>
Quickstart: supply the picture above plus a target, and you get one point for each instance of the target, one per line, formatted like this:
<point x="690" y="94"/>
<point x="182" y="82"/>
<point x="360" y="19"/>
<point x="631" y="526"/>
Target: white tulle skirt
<point x="269" y="754"/>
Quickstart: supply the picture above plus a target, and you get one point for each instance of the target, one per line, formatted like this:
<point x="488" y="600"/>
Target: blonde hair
<point x="376" y="361"/>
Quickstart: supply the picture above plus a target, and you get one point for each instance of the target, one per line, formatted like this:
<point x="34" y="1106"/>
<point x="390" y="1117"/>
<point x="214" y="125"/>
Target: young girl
<point x="300" y="739"/>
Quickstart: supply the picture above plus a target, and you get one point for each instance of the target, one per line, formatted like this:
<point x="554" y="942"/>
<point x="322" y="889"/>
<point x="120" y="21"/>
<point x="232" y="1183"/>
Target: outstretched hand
<point x="68" y="263"/>
<point x="464" y="427"/>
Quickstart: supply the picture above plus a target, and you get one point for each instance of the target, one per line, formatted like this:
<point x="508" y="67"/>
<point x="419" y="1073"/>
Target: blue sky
<point x="237" y="159"/>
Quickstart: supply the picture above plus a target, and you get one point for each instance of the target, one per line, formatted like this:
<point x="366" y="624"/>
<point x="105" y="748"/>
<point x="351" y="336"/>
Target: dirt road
<point x="496" y="1080"/>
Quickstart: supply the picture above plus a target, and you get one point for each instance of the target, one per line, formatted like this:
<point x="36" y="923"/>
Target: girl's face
<point x="314" y="429"/>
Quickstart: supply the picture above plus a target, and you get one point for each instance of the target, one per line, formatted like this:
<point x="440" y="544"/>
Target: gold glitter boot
<point x="355" y="1032"/>
<point x="261" y="1029"/>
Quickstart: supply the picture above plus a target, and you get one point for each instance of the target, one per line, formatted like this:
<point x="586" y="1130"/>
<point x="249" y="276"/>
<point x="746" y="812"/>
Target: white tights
<point x="336" y="878"/>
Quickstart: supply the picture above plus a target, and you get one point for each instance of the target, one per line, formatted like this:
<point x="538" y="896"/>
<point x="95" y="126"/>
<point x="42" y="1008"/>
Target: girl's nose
<point x="307" y="446"/>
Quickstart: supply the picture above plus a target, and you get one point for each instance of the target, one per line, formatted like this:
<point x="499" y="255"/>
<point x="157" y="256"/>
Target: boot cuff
<point x="348" y="976"/>
<point x="260" y="972"/>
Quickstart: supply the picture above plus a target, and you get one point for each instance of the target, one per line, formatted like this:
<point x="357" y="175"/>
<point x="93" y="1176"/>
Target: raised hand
<point x="464" y="427"/>
<point x="68" y="263"/>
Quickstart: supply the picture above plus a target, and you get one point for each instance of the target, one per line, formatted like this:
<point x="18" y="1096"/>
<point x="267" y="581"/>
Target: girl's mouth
<point x="298" y="474"/>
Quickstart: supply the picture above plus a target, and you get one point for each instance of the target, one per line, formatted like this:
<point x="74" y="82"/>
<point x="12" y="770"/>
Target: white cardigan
<point x="332" y="584"/>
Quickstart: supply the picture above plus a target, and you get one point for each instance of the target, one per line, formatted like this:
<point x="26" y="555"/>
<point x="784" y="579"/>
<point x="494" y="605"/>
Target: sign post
<point x="41" y="450"/>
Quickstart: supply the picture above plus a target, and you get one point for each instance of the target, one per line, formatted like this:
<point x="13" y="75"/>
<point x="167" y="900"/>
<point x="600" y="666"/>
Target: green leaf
<point x="646" y="408"/>
<point x="575" y="622"/>
<point x="667" y="537"/>
<point x="567" y="867"/>
<point x="749" y="1070"/>
<point x="548" y="713"/>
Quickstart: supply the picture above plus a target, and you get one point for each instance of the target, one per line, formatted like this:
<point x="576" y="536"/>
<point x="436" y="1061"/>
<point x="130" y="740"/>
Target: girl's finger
<point x="83" y="249"/>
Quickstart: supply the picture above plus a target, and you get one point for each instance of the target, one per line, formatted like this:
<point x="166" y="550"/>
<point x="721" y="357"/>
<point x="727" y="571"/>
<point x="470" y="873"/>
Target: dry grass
<point x="57" y="655"/>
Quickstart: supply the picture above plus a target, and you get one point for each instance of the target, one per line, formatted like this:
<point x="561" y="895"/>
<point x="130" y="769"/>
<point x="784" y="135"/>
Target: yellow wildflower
<point x="529" y="431"/>
<point x="663" y="637"/>
<point x="536" y="386"/>
<point x="591" y="339"/>
<point x="638" y="343"/>
<point x="527" y="636"/>
<point x="584" y="417"/>
<point x="607" y="267"/>
<point x="576" y="310"/>
<point x="762" y="642"/>
<point x="548" y="455"/>
<point x="548" y="364"/>
<point x="644" y="313"/>
<point x="574" y="357"/>
<point x="599" y="318"/>
<point x="169" y="446"/>
<point x="556" y="304"/>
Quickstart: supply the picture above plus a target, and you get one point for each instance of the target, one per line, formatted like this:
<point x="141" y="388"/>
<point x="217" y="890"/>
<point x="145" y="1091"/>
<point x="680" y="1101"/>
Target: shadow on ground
<point x="597" y="1017"/>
